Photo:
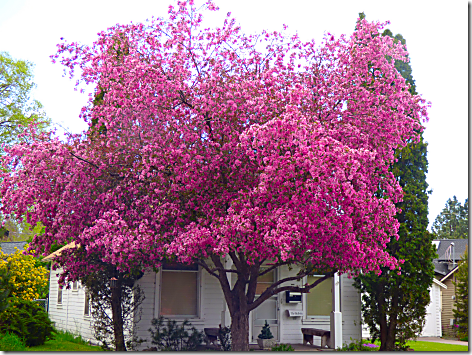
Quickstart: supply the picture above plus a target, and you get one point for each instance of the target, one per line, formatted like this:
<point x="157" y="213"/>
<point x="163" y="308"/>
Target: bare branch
<point x="273" y="289"/>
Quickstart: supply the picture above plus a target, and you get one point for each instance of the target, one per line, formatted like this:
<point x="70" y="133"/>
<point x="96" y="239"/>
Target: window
<point x="59" y="295"/>
<point x="319" y="302"/>
<point x="264" y="281"/>
<point x="179" y="291"/>
<point x="75" y="286"/>
<point x="87" y="304"/>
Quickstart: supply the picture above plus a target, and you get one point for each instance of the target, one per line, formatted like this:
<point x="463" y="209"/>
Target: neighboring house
<point x="9" y="247"/>
<point x="432" y="327"/>
<point x="449" y="253"/>
<point x="184" y="292"/>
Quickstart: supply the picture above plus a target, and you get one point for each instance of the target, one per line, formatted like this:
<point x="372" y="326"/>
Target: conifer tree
<point x="453" y="221"/>
<point x="461" y="313"/>
<point x="394" y="303"/>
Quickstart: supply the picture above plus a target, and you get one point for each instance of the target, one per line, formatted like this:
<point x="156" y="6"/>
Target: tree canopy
<point x="17" y="108"/>
<point x="211" y="146"/>
<point x="17" y="111"/>
<point x="394" y="304"/>
<point x="461" y="312"/>
<point x="453" y="221"/>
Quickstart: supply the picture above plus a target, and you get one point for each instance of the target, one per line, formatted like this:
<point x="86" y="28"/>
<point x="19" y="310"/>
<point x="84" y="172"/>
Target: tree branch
<point x="273" y="290"/>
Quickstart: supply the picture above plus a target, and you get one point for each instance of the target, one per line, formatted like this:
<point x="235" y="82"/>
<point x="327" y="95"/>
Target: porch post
<point x="225" y="315"/>
<point x="335" y="324"/>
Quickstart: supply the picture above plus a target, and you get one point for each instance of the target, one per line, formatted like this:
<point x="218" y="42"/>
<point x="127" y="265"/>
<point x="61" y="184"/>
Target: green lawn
<point x="430" y="346"/>
<point x="65" y="341"/>
<point x="63" y="345"/>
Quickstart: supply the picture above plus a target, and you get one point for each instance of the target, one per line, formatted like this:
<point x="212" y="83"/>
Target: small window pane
<point x="179" y="294"/>
<point x="87" y="304"/>
<point x="75" y="286"/>
<point x="59" y="295"/>
<point x="264" y="281"/>
<point x="319" y="300"/>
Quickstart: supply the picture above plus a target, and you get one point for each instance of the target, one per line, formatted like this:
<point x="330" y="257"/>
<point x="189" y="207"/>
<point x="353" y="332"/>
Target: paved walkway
<point x="444" y="341"/>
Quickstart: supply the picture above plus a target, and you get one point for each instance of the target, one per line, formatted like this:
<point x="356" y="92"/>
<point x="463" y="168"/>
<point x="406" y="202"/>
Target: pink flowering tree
<point x="209" y="145"/>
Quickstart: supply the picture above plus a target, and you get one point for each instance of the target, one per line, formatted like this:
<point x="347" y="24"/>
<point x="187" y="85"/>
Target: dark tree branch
<point x="273" y="289"/>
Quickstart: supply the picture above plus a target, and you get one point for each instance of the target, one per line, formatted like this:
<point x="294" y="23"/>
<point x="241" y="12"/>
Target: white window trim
<point x="194" y="319"/>
<point x="312" y="319"/>
<point x="59" y="289"/>
<point x="76" y="289"/>
<point x="88" y="315"/>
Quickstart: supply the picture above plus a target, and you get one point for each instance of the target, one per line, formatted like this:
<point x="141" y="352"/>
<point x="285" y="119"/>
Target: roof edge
<point x="439" y="283"/>
<point x="452" y="271"/>
<point x="58" y="252"/>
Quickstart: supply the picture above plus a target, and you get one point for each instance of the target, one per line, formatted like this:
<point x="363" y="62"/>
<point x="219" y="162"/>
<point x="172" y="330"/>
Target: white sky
<point x="436" y="35"/>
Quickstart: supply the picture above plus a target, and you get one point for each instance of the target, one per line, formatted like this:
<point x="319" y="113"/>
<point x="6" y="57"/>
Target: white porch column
<point x="225" y="315"/>
<point x="335" y="324"/>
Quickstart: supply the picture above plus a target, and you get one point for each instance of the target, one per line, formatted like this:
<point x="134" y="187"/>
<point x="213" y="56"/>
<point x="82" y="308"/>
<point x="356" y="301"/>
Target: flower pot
<point x="266" y="343"/>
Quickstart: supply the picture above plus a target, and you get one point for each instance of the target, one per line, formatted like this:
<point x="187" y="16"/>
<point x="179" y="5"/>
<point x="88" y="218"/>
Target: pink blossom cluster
<point x="200" y="143"/>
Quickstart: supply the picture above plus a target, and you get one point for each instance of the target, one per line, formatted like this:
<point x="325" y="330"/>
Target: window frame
<point x="87" y="298"/>
<point x="75" y="286"/>
<point x="307" y="317"/>
<point x="61" y="293"/>
<point x="196" y="317"/>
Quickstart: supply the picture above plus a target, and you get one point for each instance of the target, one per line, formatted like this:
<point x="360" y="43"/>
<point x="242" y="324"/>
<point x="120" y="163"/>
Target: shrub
<point x="224" y="335"/>
<point x="173" y="337"/>
<point x="265" y="332"/>
<point x="359" y="345"/>
<point x="11" y="342"/>
<point x="283" y="347"/>
<point x="27" y="320"/>
<point x="27" y="278"/>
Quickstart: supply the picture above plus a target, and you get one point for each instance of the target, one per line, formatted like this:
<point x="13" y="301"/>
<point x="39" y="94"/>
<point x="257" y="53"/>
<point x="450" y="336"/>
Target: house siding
<point x="210" y="307"/>
<point x="68" y="316"/>
<point x="351" y="310"/>
<point x="448" y="305"/>
<point x="213" y="310"/>
<point x="432" y="327"/>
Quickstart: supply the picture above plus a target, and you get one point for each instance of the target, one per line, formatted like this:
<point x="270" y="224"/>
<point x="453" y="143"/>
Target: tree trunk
<point x="382" y="318"/>
<point x="117" y="317"/>
<point x="387" y="332"/>
<point x="240" y="331"/>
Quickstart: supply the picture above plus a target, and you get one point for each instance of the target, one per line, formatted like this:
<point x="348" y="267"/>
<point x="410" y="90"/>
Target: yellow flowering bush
<point x="25" y="277"/>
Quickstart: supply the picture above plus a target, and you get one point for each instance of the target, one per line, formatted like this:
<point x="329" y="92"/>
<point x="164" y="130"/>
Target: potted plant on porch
<point x="266" y="339"/>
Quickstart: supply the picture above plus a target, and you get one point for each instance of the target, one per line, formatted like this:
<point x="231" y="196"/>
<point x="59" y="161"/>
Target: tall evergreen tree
<point x="394" y="304"/>
<point x="461" y="313"/>
<point x="453" y="221"/>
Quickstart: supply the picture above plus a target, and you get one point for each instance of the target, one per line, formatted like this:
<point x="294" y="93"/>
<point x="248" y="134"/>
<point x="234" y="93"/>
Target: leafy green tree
<point x="394" y="303"/>
<point x="453" y="221"/>
<point x="17" y="109"/>
<point x="461" y="313"/>
<point x="13" y="231"/>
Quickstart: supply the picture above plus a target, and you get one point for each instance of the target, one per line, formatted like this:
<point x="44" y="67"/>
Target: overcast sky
<point x="436" y="35"/>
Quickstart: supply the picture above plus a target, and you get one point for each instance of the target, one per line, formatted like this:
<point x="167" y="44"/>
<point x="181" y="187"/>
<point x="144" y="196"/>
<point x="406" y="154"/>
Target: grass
<point x="430" y="346"/>
<point x="65" y="341"/>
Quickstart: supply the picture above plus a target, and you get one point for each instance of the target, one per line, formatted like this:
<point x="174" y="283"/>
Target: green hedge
<point x="28" y="321"/>
<point x="11" y="342"/>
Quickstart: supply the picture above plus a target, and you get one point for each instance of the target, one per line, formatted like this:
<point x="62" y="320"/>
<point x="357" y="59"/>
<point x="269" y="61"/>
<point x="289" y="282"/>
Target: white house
<point x="191" y="293"/>
<point x="432" y="327"/>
